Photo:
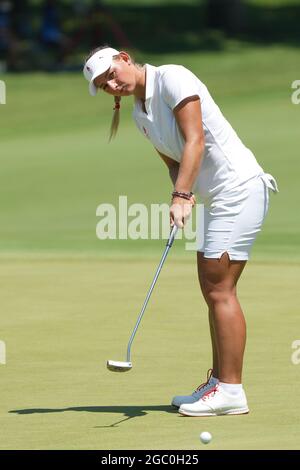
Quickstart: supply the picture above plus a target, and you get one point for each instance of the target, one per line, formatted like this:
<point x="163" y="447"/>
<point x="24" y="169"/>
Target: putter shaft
<point x="168" y="246"/>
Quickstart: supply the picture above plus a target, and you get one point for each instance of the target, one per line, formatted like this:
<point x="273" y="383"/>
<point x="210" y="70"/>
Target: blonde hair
<point x="116" y="116"/>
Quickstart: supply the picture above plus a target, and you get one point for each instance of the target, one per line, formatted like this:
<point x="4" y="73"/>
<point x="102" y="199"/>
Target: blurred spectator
<point x="21" y="19"/>
<point x="97" y="26"/>
<point x="52" y="37"/>
<point x="8" y="42"/>
<point x="102" y="17"/>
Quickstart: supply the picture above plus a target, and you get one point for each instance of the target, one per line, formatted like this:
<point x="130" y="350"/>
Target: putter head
<point x="118" y="366"/>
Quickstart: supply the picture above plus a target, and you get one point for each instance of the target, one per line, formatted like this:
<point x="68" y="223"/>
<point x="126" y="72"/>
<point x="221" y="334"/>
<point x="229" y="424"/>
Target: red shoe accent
<point x="210" y="392"/>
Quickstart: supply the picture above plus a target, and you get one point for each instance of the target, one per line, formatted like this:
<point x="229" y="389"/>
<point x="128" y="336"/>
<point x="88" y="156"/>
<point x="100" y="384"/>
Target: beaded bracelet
<point x="182" y="194"/>
<point x="187" y="196"/>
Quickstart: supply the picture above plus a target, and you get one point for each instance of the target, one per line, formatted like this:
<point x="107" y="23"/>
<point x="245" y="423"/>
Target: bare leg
<point x="218" y="279"/>
<point x="214" y="347"/>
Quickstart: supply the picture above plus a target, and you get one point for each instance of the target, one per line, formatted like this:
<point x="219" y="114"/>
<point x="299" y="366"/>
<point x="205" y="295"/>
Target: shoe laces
<point x="210" y="393"/>
<point x="208" y="377"/>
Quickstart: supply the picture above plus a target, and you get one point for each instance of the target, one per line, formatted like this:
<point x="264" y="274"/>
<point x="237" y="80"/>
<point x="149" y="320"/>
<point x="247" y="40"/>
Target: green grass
<point x="62" y="319"/>
<point x="69" y="301"/>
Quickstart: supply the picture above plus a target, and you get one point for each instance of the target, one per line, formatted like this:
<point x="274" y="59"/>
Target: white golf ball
<point x="205" y="437"/>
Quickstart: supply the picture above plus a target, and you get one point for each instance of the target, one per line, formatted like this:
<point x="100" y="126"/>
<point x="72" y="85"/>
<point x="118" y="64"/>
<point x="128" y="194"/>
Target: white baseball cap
<point x="98" y="64"/>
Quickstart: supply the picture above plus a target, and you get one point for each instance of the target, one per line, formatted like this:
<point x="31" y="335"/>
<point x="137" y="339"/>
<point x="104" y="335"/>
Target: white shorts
<point x="234" y="218"/>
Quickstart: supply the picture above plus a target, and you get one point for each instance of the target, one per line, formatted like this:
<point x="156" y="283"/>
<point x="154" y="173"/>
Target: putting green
<point x="63" y="318"/>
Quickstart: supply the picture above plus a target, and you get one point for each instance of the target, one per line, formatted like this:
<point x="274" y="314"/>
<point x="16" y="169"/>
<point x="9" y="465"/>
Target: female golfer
<point x="204" y="155"/>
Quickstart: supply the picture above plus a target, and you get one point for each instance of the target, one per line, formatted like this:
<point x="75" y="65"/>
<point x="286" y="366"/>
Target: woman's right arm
<point x="172" y="165"/>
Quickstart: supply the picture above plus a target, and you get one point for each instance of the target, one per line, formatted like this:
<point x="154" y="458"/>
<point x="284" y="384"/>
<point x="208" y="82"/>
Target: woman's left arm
<point x="189" y="119"/>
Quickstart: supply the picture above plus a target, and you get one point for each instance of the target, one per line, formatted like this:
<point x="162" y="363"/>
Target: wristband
<point x="188" y="196"/>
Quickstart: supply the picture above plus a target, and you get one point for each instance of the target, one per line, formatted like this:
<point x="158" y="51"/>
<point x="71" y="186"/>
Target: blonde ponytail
<point x="116" y="118"/>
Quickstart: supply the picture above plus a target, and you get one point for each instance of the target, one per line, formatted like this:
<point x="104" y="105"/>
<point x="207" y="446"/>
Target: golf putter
<point x="119" y="366"/>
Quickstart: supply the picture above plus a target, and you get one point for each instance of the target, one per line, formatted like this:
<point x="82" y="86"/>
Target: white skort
<point x="233" y="219"/>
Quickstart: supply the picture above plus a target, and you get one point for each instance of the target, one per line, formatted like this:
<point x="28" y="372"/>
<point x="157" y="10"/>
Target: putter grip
<point x="172" y="236"/>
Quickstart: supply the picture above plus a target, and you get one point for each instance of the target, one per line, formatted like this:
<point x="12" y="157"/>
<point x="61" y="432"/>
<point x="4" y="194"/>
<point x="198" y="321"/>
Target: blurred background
<point x="53" y="35"/>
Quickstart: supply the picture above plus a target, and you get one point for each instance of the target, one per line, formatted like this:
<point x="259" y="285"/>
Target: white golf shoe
<point x="216" y="402"/>
<point x="198" y="393"/>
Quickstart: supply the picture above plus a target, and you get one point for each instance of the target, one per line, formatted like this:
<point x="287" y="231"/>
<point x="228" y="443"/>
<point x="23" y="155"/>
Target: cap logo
<point x="88" y="69"/>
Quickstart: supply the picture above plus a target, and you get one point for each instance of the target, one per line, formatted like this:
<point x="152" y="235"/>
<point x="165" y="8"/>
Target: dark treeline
<point x="54" y="34"/>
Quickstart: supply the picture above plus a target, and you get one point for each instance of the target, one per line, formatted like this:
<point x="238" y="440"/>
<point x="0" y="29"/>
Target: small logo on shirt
<point x="145" y="132"/>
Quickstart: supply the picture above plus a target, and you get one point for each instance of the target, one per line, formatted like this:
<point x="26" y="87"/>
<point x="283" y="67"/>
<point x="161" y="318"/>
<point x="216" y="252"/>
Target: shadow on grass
<point x="129" y="412"/>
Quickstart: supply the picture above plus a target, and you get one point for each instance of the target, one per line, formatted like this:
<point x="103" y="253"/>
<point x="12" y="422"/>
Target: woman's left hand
<point x="180" y="211"/>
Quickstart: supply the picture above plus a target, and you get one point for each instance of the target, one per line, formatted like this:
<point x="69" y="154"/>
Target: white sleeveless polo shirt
<point x="227" y="163"/>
